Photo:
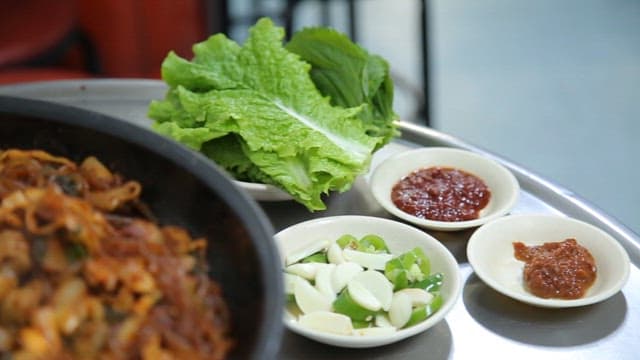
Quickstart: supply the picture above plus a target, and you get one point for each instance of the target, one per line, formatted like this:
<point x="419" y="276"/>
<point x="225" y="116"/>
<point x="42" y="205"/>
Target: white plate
<point x="264" y="192"/>
<point x="399" y="238"/>
<point x="503" y="185"/>
<point x="490" y="253"/>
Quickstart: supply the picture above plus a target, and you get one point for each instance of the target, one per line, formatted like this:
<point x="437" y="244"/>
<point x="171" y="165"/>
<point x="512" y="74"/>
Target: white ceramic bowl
<point x="399" y="238"/>
<point x="264" y="192"/>
<point x="490" y="253"/>
<point x="503" y="185"/>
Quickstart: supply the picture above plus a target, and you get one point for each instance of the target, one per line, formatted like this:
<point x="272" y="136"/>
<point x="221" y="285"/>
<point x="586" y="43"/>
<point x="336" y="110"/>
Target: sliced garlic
<point x="334" y="254"/>
<point x="309" y="249"/>
<point x="343" y="273"/>
<point x="400" y="310"/>
<point x="326" y="321"/>
<point x="367" y="260"/>
<point x="362" y="296"/>
<point x="307" y="271"/>
<point x="309" y="299"/>
<point x="378" y="285"/>
<point x="289" y="283"/>
<point x="419" y="297"/>
<point x="382" y="320"/>
<point x="323" y="281"/>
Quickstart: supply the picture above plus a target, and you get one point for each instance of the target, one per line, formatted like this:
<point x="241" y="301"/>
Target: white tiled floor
<point x="551" y="85"/>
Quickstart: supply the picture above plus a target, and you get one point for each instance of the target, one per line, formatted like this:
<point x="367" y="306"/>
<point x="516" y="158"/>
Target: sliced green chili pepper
<point x="360" y="324"/>
<point x="432" y="283"/>
<point x="344" y="304"/>
<point x="369" y="243"/>
<point x="407" y="269"/>
<point x="372" y="244"/>
<point x="347" y="240"/>
<point x="319" y="257"/>
<point x="421" y="313"/>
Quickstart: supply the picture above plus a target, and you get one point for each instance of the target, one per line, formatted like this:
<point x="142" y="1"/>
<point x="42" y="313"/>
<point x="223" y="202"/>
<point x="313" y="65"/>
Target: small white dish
<point x="491" y="254"/>
<point x="503" y="185"/>
<point x="264" y="192"/>
<point x="399" y="238"/>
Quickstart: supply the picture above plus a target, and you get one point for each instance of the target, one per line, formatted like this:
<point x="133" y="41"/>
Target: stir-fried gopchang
<point x="91" y="180"/>
<point x="80" y="281"/>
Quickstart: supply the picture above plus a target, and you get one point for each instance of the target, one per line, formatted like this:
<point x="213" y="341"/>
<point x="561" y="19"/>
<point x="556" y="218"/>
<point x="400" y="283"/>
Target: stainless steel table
<point x="484" y="324"/>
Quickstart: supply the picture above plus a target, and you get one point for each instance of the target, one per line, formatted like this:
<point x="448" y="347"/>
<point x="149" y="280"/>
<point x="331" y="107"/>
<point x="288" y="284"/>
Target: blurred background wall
<point x="551" y="85"/>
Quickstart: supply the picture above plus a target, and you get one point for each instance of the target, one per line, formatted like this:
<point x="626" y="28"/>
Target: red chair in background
<point x="67" y="39"/>
<point x="33" y="35"/>
<point x="132" y="37"/>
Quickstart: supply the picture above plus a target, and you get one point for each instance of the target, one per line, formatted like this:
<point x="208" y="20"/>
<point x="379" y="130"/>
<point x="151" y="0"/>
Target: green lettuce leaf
<point x="255" y="110"/>
<point x="350" y="76"/>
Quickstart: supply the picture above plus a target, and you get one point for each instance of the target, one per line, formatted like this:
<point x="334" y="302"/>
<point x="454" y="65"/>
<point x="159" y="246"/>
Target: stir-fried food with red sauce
<point x="81" y="277"/>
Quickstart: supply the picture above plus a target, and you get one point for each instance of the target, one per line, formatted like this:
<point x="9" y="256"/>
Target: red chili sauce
<point x="441" y="193"/>
<point x="563" y="270"/>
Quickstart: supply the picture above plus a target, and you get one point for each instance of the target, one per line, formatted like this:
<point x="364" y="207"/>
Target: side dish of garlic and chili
<point x="353" y="286"/>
